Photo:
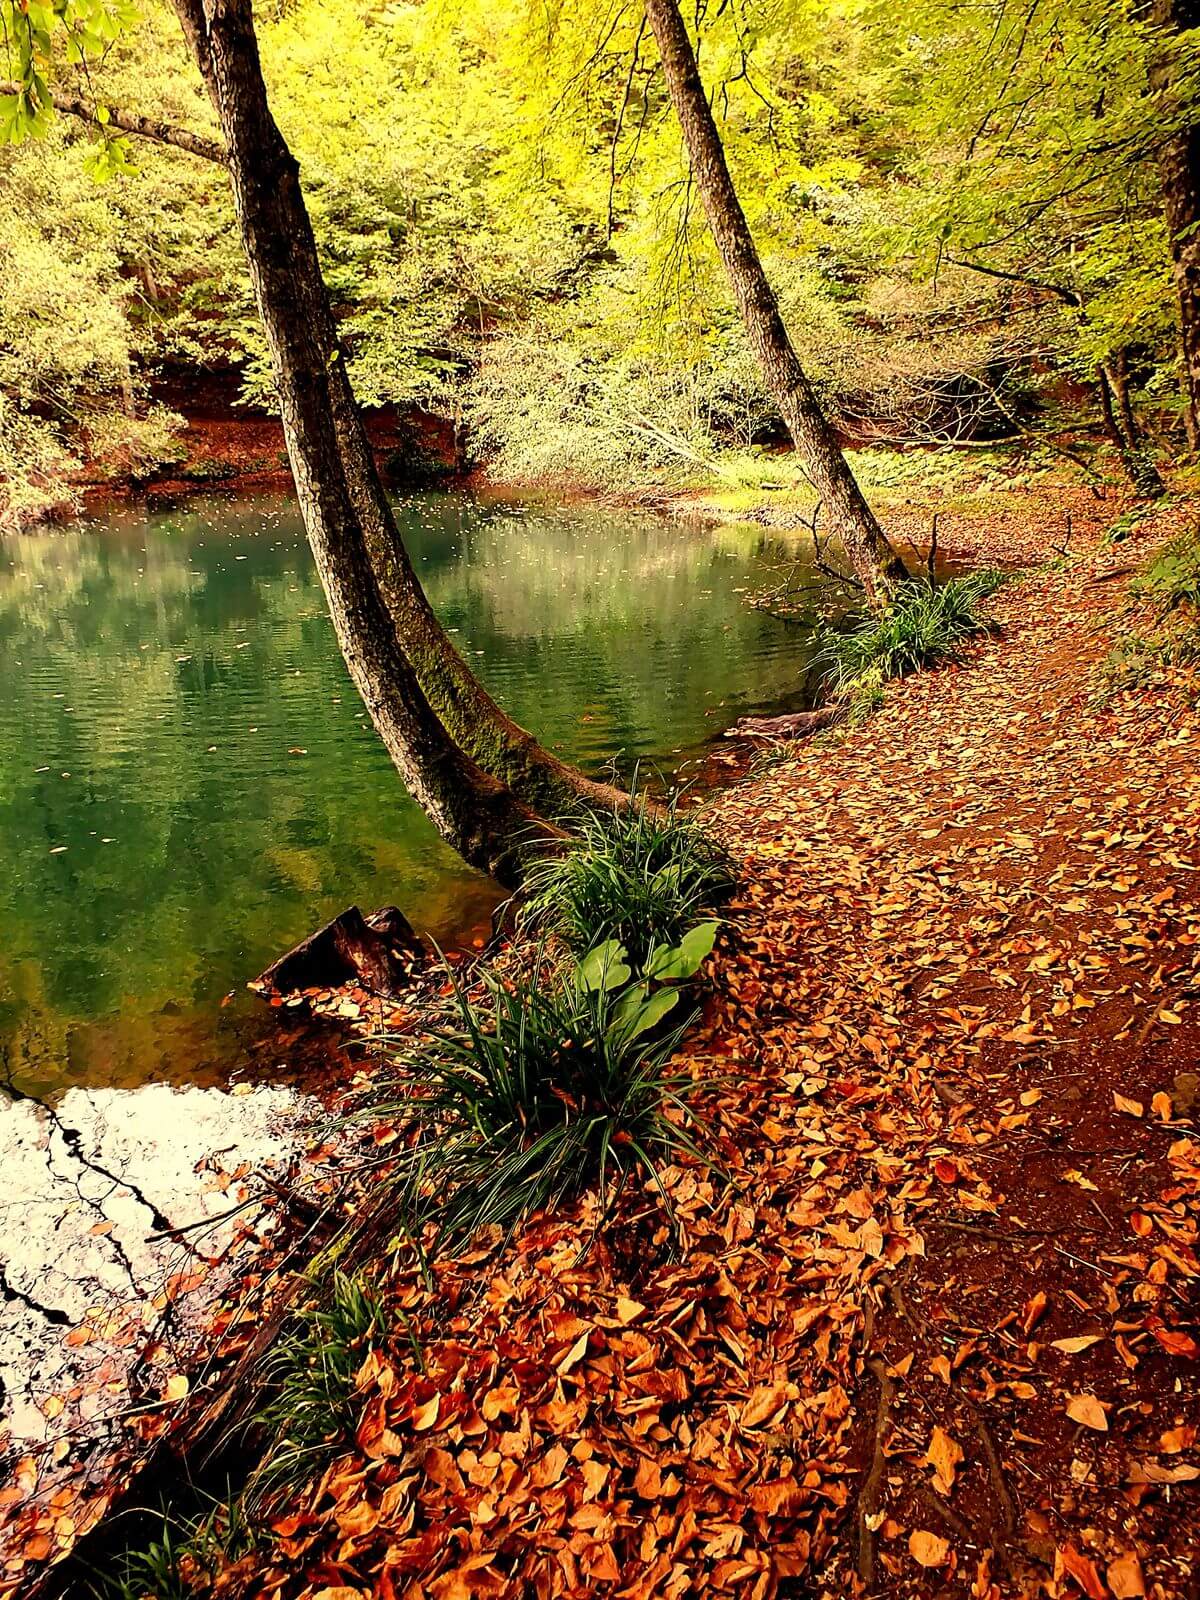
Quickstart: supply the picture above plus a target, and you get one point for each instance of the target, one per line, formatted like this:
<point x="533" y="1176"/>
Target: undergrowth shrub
<point x="643" y="876"/>
<point x="1172" y="579"/>
<point x="922" y="625"/>
<point x="310" y="1380"/>
<point x="548" y="1087"/>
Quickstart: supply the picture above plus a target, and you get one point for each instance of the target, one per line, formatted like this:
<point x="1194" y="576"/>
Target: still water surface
<point x="188" y="782"/>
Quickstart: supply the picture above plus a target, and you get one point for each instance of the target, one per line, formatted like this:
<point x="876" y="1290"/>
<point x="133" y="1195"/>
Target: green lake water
<point x="188" y="782"/>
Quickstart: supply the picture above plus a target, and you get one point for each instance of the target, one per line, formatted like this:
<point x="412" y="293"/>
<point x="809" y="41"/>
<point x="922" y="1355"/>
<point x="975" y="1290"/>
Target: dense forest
<point x="971" y="215"/>
<point x="692" y="512"/>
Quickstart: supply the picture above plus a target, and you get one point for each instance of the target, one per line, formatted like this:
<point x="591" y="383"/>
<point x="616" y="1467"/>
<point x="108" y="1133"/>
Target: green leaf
<point x="604" y="967"/>
<point x="671" y="962"/>
<point x="637" y="1011"/>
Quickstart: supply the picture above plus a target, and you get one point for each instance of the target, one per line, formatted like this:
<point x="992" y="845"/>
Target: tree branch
<point x="196" y="144"/>
<point x="1069" y="296"/>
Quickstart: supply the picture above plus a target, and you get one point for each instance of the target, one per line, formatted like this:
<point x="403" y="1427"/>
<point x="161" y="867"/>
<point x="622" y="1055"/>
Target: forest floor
<point x="936" y="1336"/>
<point x="933" y="1332"/>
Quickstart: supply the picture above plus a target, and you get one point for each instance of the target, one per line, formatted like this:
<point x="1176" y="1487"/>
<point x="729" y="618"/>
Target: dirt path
<point x="972" y="929"/>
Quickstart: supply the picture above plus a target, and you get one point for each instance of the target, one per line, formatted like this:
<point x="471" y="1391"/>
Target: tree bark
<point x="152" y="128"/>
<point x="471" y="717"/>
<point x="875" y="563"/>
<point x="290" y="292"/>
<point x="470" y="808"/>
<point x="1122" y="429"/>
<point x="1180" y="175"/>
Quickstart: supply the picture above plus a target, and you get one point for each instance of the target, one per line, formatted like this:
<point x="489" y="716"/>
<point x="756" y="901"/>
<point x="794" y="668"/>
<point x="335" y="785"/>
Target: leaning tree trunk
<point x="1179" y="163"/>
<point x="876" y="565"/>
<point x="284" y="237"/>
<point x="471" y="809"/>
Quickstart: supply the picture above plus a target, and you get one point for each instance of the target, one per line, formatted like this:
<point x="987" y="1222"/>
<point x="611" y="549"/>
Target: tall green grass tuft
<point x="923" y="624"/>
<point x="309" y="1377"/>
<point x="548" y="1088"/>
<point x="178" y="1557"/>
<point x="642" y="876"/>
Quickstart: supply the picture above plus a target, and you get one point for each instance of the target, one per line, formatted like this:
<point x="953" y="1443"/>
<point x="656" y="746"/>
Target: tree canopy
<point x="959" y="208"/>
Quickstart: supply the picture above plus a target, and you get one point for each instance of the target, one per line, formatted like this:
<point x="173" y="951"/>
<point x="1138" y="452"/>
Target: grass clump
<point x="923" y="624"/>
<point x="310" y="1377"/>
<point x="548" y="1087"/>
<point x="642" y="876"/>
<point x="177" y="1555"/>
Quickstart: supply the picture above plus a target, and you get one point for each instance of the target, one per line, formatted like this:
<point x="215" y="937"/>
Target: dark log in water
<point x="797" y="725"/>
<point x="376" y="951"/>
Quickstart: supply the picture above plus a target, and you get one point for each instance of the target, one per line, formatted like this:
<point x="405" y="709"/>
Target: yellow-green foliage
<point x="509" y="229"/>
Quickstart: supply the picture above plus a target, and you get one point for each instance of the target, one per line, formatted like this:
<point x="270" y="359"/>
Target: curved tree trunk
<point x="876" y="565"/>
<point x="1179" y="164"/>
<point x="497" y="742"/>
<point x="452" y="693"/>
<point x="471" y="809"/>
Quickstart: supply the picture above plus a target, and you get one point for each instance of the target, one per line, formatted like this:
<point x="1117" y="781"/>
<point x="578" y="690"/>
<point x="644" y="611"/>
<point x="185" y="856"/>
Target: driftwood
<point x="351" y="948"/>
<point x="797" y="725"/>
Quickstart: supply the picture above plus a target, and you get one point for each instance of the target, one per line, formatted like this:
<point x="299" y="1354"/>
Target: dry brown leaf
<point x="927" y="1548"/>
<point x="945" y="1457"/>
<point x="1083" y="1570"/>
<point x="1088" y="1412"/>
<point x="1131" y="1108"/>
<point x="762" y="1405"/>
<point x="1073" y="1347"/>
<point x="1125" y="1577"/>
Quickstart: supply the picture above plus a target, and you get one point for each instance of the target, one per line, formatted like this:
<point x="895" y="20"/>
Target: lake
<point x="189" y="783"/>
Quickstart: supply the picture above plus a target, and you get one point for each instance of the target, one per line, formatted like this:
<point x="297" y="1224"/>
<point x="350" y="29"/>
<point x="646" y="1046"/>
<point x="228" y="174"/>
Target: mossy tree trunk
<point x="294" y="305"/>
<point x="472" y="809"/>
<point x="875" y="563"/>
<point x="1179" y="164"/>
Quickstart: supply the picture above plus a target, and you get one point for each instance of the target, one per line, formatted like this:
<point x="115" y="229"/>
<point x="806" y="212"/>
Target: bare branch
<point x="196" y="144"/>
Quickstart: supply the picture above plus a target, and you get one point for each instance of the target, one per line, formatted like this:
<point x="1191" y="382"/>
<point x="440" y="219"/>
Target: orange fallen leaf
<point x="1131" y="1108"/>
<point x="1125" y="1577"/>
<point x="1035" y="1306"/>
<point x="1068" y="1560"/>
<point x="1088" y="1412"/>
<point x="425" y="1416"/>
<point x="927" y="1548"/>
<point x="1176" y="1343"/>
<point x="1073" y="1347"/>
<point x="945" y="1457"/>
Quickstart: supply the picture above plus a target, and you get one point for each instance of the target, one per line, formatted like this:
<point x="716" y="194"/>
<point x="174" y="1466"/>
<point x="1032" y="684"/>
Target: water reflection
<point x="188" y="782"/>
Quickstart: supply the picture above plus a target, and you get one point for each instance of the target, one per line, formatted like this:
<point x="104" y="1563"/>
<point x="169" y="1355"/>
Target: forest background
<point x="961" y="209"/>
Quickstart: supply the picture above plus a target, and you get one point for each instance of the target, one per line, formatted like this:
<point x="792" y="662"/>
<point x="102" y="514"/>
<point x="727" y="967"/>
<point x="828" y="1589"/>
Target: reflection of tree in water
<point x="172" y="665"/>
